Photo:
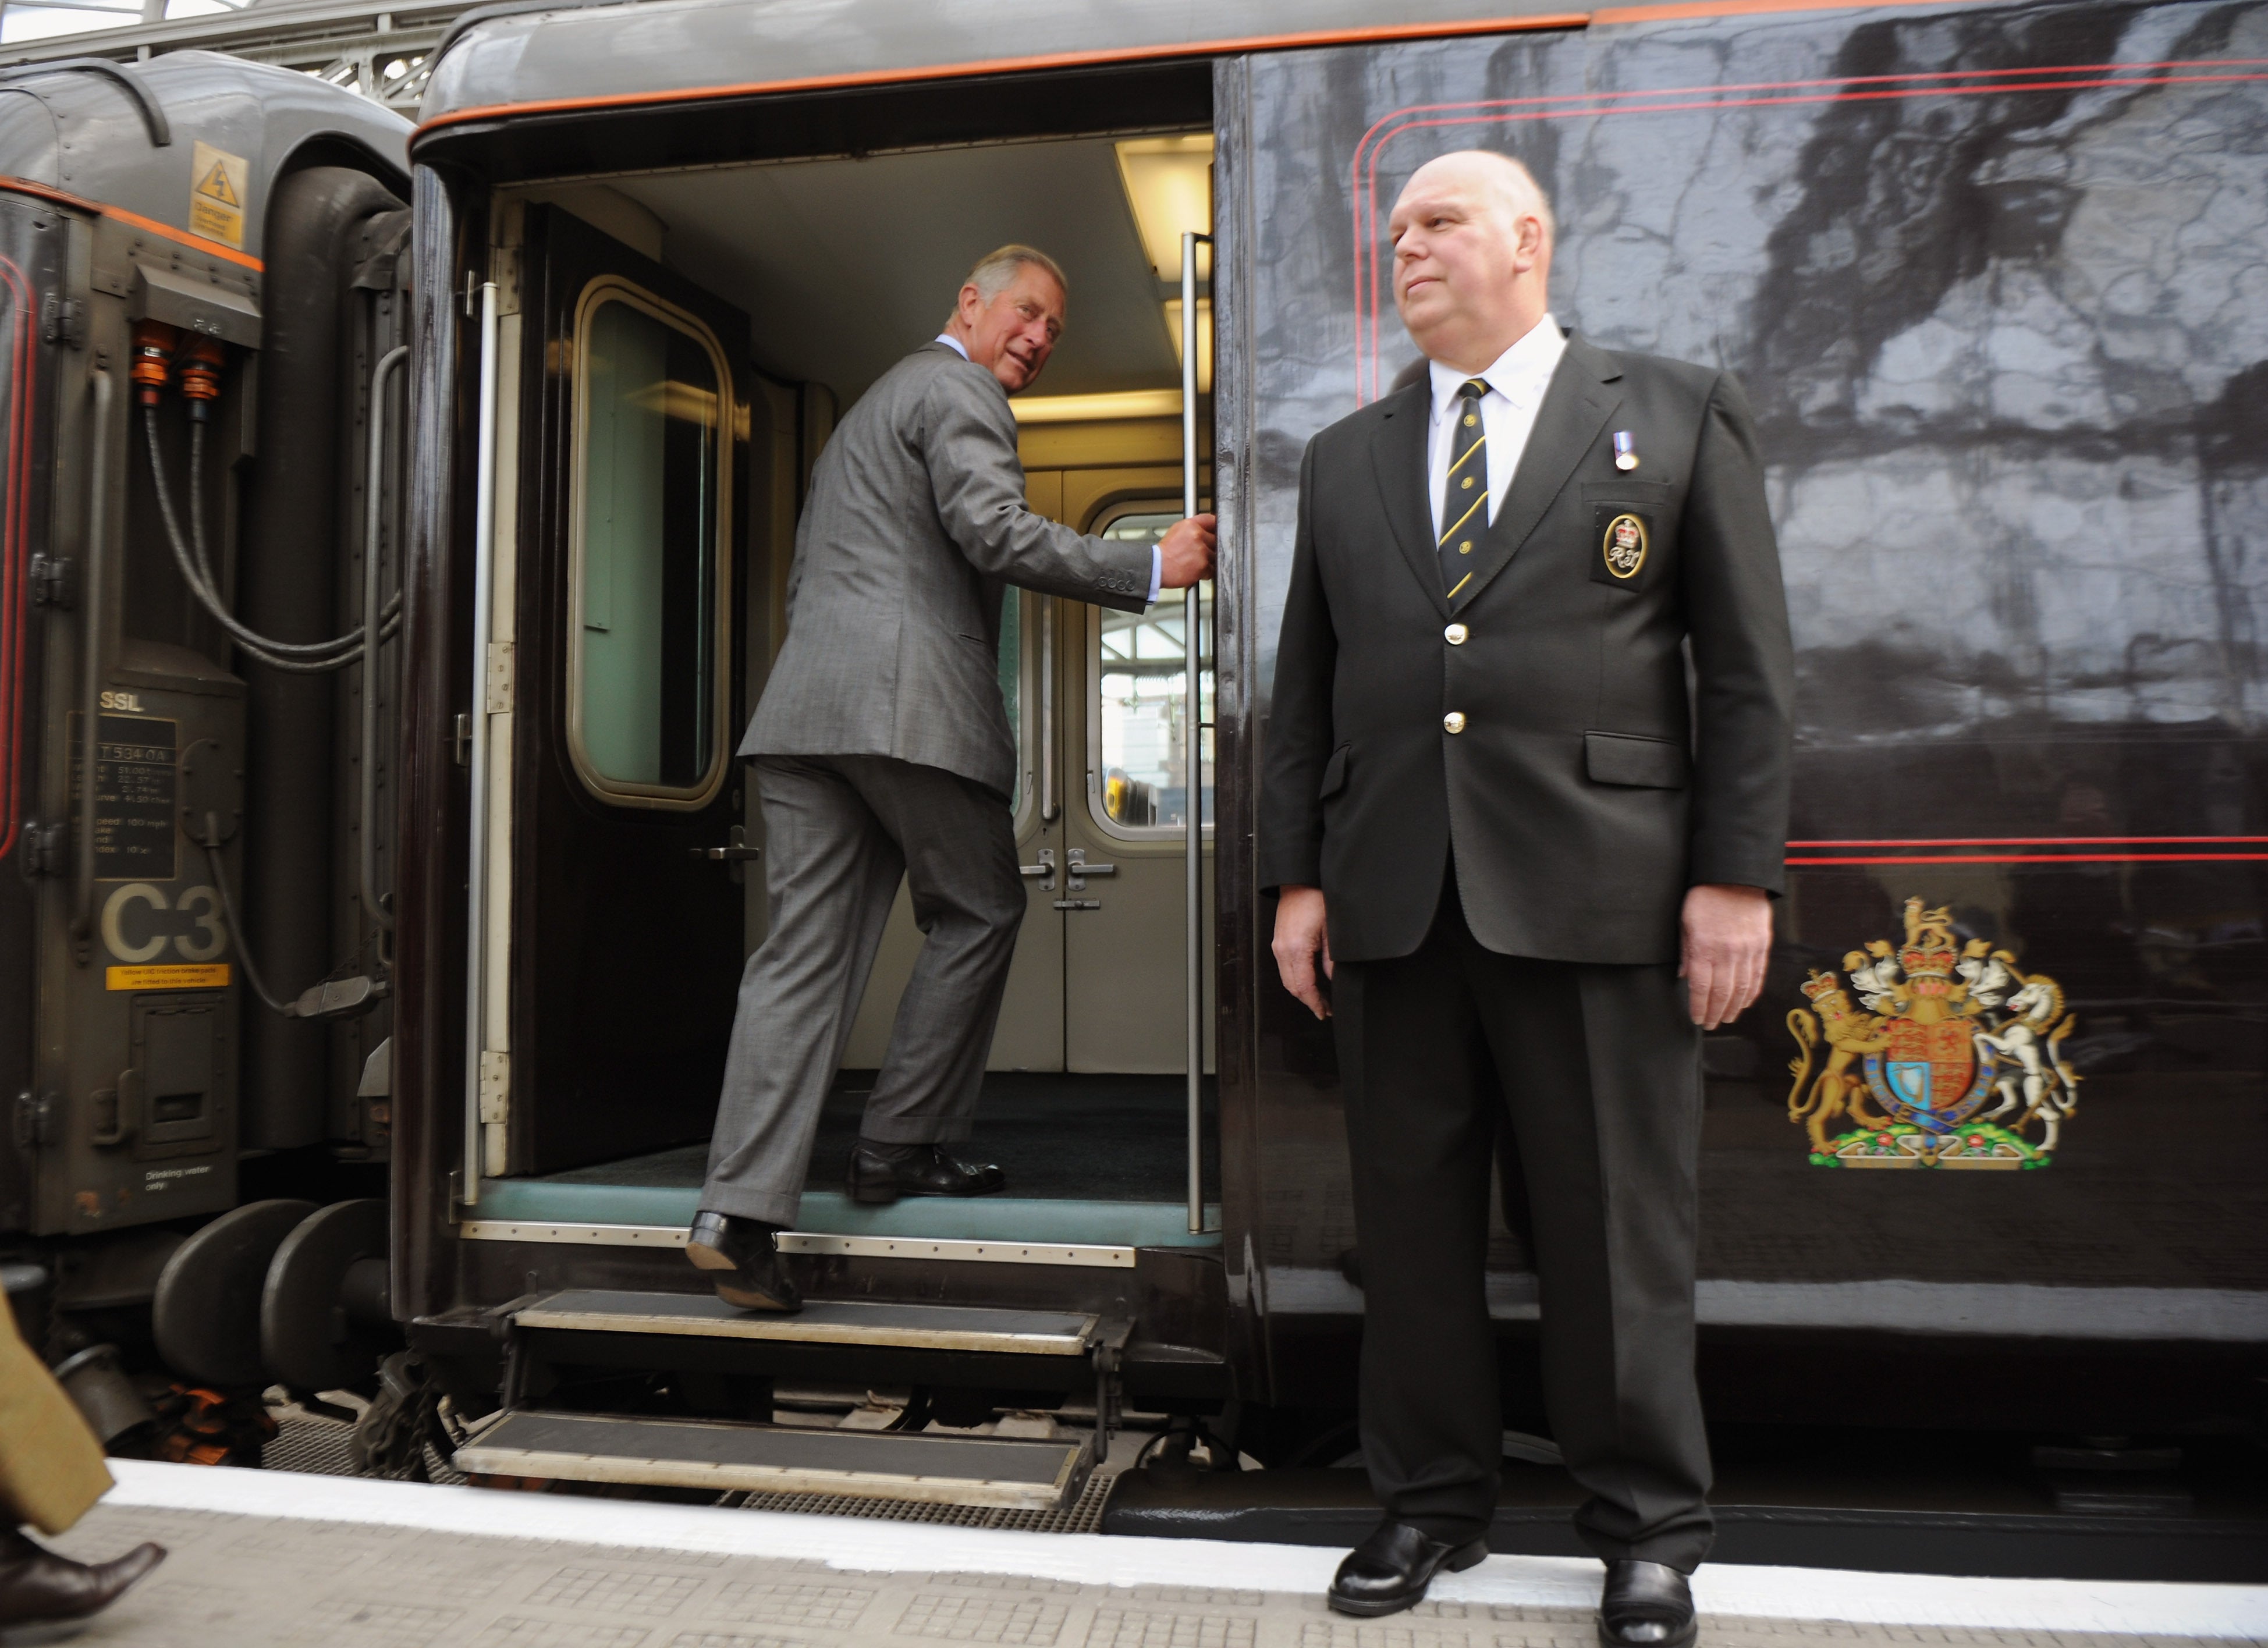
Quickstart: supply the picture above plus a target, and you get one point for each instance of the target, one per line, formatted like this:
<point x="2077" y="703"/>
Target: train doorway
<point x="683" y="343"/>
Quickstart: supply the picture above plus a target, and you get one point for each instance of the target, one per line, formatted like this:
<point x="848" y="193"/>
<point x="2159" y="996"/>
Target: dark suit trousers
<point x="1597" y="1069"/>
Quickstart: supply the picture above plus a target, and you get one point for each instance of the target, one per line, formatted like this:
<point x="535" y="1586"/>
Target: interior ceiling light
<point x="1169" y="187"/>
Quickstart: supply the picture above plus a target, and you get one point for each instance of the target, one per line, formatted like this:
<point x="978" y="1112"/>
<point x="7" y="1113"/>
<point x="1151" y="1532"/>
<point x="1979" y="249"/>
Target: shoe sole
<point x="1469" y="1557"/>
<point x="707" y="1258"/>
<point x="1684" y="1639"/>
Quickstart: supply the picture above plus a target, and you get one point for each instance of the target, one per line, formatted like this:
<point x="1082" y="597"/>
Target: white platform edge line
<point x="848" y="1543"/>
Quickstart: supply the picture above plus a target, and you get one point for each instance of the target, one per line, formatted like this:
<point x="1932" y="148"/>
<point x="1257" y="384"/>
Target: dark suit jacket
<point x="1586" y="792"/>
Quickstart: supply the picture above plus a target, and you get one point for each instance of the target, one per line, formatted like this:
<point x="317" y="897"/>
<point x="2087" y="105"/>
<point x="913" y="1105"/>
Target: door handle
<point x="1079" y="870"/>
<point x="1045" y="867"/>
<point x="735" y="851"/>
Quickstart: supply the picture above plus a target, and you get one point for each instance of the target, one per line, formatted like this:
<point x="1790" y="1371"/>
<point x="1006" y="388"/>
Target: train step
<point x="821" y="1321"/>
<point x="1007" y="1472"/>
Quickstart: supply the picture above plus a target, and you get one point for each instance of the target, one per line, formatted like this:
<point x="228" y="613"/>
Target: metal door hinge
<point x="1079" y="870"/>
<point x="39" y="1119"/>
<point x="1045" y="868"/>
<point x="496" y="1087"/>
<point x="498" y="699"/>
<point x="460" y="741"/>
<point x="54" y="581"/>
<point x="44" y="850"/>
<point x="63" y="320"/>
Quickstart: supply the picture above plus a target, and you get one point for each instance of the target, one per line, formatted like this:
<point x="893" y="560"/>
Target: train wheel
<point x="206" y="1310"/>
<point x="324" y="1312"/>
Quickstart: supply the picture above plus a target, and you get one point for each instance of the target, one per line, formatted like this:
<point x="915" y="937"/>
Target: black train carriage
<point x="1983" y="1159"/>
<point x="200" y="263"/>
<point x="1986" y="272"/>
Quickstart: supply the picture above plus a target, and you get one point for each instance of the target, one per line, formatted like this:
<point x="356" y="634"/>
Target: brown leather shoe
<point x="41" y="1589"/>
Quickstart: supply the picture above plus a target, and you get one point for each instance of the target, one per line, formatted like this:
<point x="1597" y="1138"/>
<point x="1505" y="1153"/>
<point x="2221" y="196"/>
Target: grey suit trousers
<point x="840" y="832"/>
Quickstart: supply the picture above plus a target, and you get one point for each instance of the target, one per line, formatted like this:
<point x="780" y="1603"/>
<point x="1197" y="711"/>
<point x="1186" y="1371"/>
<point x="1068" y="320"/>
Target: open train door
<point x="613" y="916"/>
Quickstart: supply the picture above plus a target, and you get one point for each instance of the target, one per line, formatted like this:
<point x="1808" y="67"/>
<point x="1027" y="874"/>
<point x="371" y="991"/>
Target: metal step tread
<point x="1012" y="1472"/>
<point x="821" y="1321"/>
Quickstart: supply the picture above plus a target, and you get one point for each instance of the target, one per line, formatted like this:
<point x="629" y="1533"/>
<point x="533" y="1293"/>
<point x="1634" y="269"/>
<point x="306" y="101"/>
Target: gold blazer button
<point x="1455" y="634"/>
<point x="1454" y="722"/>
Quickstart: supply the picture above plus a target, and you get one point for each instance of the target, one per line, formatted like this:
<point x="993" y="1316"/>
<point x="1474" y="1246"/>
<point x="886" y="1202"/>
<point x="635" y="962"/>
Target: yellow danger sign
<point x="219" y="182"/>
<point x="209" y="975"/>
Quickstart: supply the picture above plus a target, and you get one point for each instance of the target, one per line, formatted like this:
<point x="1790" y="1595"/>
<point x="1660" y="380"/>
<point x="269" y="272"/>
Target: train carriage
<point x="1984" y="1157"/>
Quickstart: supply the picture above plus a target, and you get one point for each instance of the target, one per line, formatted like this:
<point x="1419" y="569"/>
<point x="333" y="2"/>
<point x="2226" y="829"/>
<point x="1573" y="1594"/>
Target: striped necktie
<point x="1465" y="494"/>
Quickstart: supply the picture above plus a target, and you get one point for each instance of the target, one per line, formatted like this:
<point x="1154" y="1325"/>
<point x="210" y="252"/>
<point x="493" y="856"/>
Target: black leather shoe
<point x="758" y="1280"/>
<point x="1389" y="1570"/>
<point x="883" y="1172"/>
<point x="1646" y="1605"/>
<point x="41" y="1593"/>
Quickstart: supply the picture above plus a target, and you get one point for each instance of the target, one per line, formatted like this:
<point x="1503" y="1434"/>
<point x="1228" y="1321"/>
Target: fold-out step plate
<point x="821" y="1321"/>
<point x="1011" y="1473"/>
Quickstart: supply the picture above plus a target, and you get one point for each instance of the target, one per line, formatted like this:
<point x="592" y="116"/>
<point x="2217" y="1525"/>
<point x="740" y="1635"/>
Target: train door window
<point x="1139" y="717"/>
<point x="647" y="652"/>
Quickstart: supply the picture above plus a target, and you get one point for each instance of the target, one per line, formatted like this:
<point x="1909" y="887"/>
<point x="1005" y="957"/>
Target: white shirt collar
<point x="1520" y="375"/>
<point x="956" y="346"/>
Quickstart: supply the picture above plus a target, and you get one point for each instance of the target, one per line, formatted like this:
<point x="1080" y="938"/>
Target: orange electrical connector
<point x="200" y="361"/>
<point x="154" y="343"/>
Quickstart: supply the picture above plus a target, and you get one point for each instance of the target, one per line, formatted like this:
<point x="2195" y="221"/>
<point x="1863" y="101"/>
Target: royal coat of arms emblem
<point x="1951" y="1057"/>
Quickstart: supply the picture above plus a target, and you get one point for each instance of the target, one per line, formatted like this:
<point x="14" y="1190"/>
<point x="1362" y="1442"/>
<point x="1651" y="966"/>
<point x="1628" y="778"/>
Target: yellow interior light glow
<point x="1169" y="188"/>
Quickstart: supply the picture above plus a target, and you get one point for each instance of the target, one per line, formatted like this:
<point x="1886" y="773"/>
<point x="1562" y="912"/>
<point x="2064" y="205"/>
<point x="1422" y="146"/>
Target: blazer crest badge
<point x="1950" y="1059"/>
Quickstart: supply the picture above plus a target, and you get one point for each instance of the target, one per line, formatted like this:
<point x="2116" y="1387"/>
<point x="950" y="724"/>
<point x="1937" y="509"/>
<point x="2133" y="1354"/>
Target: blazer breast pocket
<point x="1630" y="529"/>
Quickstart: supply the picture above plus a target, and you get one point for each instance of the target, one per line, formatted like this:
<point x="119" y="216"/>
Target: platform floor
<point x="272" y="1559"/>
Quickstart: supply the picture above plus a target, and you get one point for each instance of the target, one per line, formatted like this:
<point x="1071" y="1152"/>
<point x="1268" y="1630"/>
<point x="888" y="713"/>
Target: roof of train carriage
<point x="517" y="58"/>
<point x="89" y="137"/>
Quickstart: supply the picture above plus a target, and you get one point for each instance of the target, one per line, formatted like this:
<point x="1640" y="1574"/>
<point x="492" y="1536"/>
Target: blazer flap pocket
<point x="1625" y="758"/>
<point x="1334" y="773"/>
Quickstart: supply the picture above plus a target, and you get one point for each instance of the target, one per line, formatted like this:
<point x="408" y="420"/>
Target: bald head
<point x="1472" y="237"/>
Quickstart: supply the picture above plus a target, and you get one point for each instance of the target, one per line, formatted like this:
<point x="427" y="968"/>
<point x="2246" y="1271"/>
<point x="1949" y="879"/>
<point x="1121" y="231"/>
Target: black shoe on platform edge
<point x="882" y="1174"/>
<point x="1389" y="1572"/>
<point x="745" y="1247"/>
<point x="1646" y="1605"/>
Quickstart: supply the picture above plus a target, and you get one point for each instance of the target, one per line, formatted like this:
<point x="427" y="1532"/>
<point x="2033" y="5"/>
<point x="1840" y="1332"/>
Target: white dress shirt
<point x="1516" y="384"/>
<point x="1157" y="555"/>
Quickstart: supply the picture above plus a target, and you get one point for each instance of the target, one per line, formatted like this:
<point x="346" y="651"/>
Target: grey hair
<point x="996" y="270"/>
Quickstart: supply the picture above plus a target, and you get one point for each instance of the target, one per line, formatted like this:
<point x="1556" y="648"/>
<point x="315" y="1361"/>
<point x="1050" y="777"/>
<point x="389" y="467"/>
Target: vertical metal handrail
<point x="92" y="601"/>
<point x="372" y="470"/>
<point x="1050" y="803"/>
<point x="476" y="878"/>
<point x="1193" y="743"/>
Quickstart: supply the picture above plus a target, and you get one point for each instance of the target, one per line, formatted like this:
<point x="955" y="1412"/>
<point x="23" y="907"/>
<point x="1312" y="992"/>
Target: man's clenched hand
<point x="1727" y="939"/>
<point x="1300" y="937"/>
<point x="1185" y="553"/>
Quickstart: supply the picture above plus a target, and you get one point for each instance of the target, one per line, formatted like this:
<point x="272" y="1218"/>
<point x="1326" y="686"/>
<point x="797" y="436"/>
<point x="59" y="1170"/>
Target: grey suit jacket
<point x="1584" y="790"/>
<point x="914" y="526"/>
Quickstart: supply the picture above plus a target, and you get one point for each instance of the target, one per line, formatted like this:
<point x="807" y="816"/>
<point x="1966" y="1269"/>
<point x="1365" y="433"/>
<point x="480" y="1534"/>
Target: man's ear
<point x="969" y="305"/>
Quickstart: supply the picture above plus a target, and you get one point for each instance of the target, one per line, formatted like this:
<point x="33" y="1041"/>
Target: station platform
<point x="278" y="1559"/>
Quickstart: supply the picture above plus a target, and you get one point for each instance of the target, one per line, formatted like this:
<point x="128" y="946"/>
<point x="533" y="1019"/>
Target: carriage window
<point x="645" y="699"/>
<point x="1139" y="716"/>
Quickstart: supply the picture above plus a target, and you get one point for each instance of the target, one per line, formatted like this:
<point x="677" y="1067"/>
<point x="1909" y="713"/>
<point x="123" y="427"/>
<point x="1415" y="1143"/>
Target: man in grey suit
<point x="1533" y="865"/>
<point x="882" y="752"/>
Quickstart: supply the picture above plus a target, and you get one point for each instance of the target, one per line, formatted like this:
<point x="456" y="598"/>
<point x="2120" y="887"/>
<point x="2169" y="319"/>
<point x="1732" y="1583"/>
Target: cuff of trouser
<point x="914" y="1129"/>
<point x="772" y="1206"/>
